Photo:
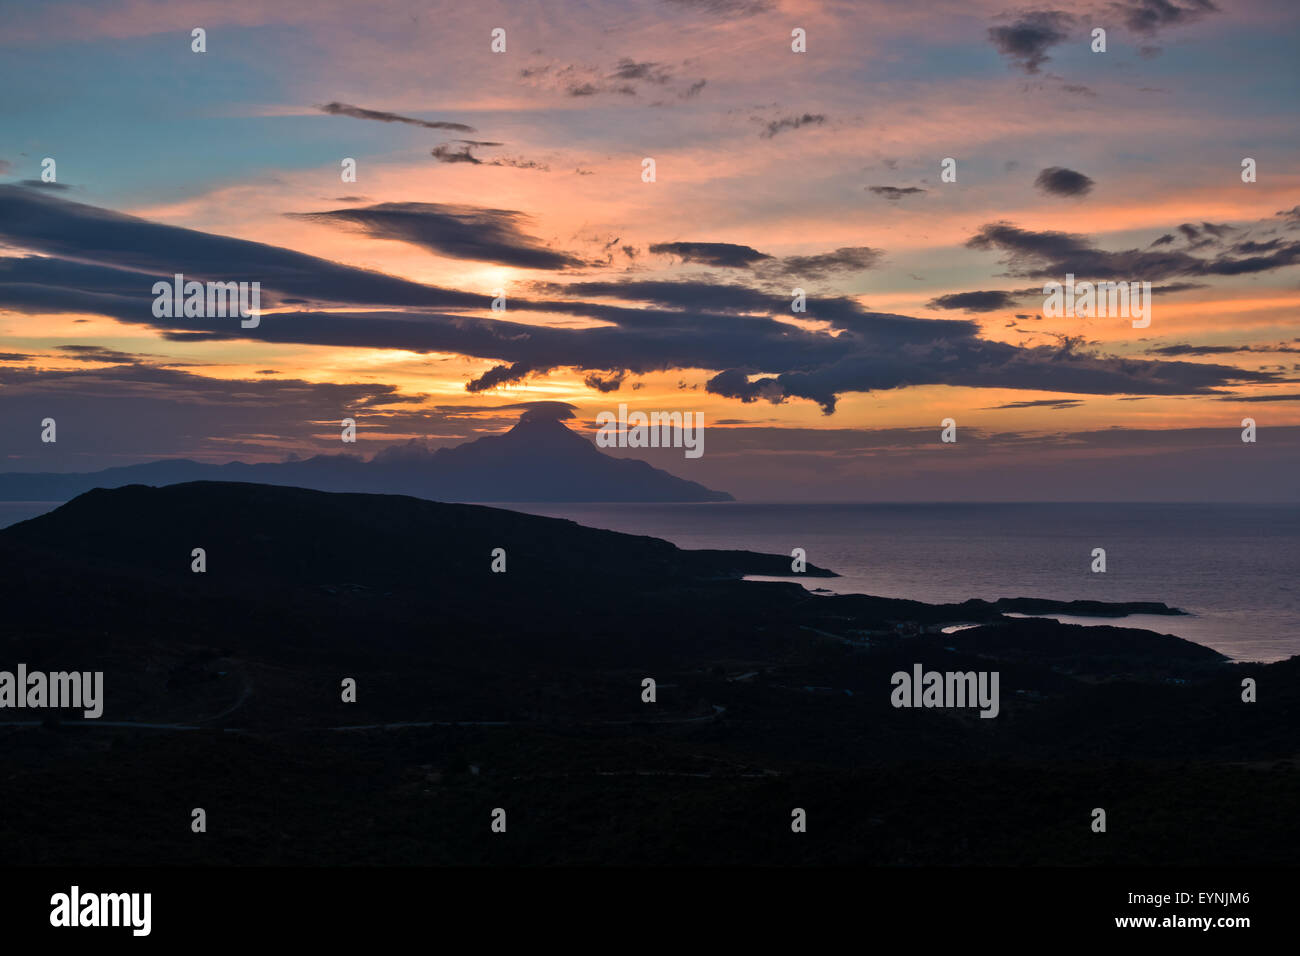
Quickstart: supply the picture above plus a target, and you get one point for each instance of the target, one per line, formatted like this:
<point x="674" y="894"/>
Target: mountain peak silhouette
<point x="538" y="459"/>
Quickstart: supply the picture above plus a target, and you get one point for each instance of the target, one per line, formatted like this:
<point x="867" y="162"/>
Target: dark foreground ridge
<point x="523" y="690"/>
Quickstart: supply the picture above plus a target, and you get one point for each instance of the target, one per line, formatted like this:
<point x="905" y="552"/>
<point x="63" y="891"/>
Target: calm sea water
<point x="1235" y="568"/>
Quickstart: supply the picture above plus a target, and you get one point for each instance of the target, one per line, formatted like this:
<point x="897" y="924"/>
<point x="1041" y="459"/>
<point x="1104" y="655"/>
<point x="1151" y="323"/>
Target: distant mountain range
<point x="539" y="459"/>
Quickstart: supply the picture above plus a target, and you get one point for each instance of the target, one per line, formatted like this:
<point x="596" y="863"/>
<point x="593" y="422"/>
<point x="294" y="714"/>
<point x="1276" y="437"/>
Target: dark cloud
<point x="1026" y="41"/>
<point x="1218" y="349"/>
<point x="605" y="383"/>
<point x="627" y="77"/>
<point x="742" y="335"/>
<point x="1150" y="16"/>
<point x="95" y="252"/>
<point x="791" y="122"/>
<point x="1059" y="181"/>
<point x="1040" y="403"/>
<point x="447" y="153"/>
<point x="722" y="304"/>
<point x="874" y="351"/>
<point x="991" y="301"/>
<point x="519" y="163"/>
<point x="895" y="193"/>
<point x="537" y="411"/>
<point x="975" y="363"/>
<point x="194" y="336"/>
<point x="98" y="353"/>
<point x="722" y="254"/>
<point x="1250" y="247"/>
<point x="1204" y="235"/>
<point x="1195" y="349"/>
<point x="504" y="375"/>
<point x="733" y="8"/>
<point x="343" y="109"/>
<point x="42" y="184"/>
<point x="735" y="383"/>
<point x="1052" y="254"/>
<point x="592" y="89"/>
<point x="459" y="232"/>
<point x="545" y="411"/>
<point x="843" y="261"/>
<point x="628" y="69"/>
<point x="1291" y="397"/>
<point x="1292" y="215"/>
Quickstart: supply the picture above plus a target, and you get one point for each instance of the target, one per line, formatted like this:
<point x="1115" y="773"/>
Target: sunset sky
<point x="522" y="171"/>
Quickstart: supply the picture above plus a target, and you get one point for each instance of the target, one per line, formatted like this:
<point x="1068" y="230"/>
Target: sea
<point x="1234" y="568"/>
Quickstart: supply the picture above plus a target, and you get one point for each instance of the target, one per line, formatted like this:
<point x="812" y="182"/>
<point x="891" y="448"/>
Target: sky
<point x="520" y="176"/>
